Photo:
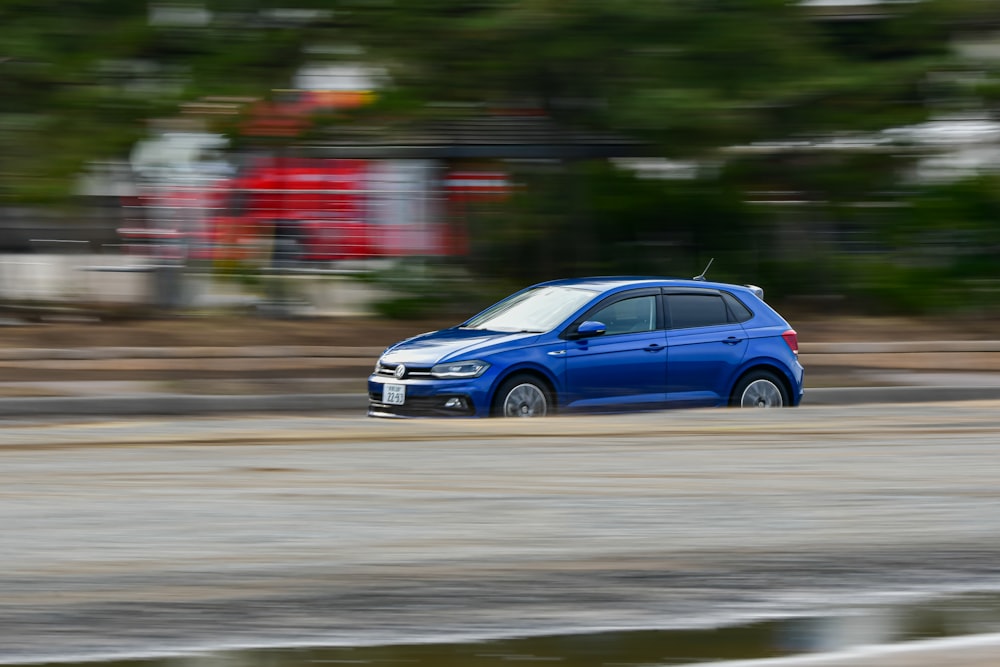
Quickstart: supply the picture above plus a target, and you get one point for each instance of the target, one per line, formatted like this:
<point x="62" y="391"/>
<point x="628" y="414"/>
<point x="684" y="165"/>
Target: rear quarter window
<point x="737" y="310"/>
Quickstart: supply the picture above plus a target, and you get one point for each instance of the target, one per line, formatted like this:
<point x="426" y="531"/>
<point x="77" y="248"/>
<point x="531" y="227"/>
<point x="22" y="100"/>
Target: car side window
<point x="738" y="311"/>
<point x="631" y="315"/>
<point x="697" y="310"/>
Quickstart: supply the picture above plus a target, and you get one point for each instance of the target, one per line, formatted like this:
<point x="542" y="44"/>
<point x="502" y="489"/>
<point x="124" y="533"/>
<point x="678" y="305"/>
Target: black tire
<point x="759" y="389"/>
<point x="522" y="396"/>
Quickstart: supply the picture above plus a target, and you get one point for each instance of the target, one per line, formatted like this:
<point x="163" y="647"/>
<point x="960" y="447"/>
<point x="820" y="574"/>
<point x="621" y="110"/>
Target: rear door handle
<point x="732" y="340"/>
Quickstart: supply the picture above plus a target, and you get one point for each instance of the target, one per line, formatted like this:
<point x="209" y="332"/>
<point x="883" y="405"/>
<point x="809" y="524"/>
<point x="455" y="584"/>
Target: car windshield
<point x="537" y="310"/>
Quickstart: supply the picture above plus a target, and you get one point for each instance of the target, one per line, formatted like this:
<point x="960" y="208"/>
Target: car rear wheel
<point x="522" y="396"/>
<point x="760" y="389"/>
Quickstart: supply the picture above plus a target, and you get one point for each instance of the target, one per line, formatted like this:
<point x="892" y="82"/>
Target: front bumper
<point x="429" y="398"/>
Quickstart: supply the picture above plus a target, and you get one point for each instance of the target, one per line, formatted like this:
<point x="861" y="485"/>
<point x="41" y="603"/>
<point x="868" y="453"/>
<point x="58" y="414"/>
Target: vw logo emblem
<point x="400" y="371"/>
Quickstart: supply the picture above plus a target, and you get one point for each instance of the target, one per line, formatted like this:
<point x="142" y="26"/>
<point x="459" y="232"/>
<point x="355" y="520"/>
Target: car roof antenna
<point x="702" y="275"/>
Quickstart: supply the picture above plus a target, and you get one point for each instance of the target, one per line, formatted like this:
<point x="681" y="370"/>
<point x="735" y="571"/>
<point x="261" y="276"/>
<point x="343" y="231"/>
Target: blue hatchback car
<point x="597" y="345"/>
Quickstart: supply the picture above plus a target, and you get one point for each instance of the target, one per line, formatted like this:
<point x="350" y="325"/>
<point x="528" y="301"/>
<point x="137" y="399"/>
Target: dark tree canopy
<point x="78" y="79"/>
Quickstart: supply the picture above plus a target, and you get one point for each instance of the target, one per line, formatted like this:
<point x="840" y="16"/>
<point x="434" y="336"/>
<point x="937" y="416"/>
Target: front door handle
<point x="655" y="347"/>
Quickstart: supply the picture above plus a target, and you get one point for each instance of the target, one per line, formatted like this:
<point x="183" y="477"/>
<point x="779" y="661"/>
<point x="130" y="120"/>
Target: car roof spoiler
<point x="758" y="292"/>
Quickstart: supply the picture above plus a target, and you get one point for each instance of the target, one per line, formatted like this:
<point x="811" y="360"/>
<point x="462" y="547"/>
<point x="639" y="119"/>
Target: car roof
<point x="615" y="283"/>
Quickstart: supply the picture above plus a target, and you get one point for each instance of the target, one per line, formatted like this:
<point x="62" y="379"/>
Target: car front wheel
<point x="522" y="396"/>
<point x="759" y="389"/>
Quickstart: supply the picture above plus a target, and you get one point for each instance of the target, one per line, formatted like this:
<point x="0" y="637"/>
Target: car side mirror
<point x="590" y="329"/>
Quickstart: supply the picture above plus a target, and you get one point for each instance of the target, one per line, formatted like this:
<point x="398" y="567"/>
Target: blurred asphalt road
<point x="299" y="379"/>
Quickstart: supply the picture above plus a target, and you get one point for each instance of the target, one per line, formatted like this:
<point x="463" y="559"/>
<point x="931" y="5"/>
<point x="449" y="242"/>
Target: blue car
<point x="596" y="345"/>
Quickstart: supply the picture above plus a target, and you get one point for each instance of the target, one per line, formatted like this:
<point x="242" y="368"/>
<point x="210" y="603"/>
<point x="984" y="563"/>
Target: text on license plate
<point x="394" y="394"/>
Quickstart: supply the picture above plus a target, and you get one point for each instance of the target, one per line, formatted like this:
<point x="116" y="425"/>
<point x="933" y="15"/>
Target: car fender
<point x="770" y="363"/>
<point x="527" y="367"/>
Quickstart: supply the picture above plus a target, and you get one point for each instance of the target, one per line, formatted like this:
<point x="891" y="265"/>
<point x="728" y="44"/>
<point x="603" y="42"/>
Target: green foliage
<point x="883" y="286"/>
<point x="418" y="288"/>
<point x="939" y="252"/>
<point x="79" y="80"/>
<point x="591" y="218"/>
<point x="689" y="76"/>
<point x="693" y="79"/>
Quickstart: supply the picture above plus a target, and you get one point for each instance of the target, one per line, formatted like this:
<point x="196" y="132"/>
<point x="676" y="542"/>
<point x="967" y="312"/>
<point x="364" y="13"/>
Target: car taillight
<point x="792" y="339"/>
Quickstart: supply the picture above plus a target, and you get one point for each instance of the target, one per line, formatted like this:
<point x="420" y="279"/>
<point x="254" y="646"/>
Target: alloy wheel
<point x="525" y="400"/>
<point x="761" y="394"/>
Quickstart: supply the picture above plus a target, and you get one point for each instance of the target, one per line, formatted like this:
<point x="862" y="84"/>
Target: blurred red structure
<point x="317" y="209"/>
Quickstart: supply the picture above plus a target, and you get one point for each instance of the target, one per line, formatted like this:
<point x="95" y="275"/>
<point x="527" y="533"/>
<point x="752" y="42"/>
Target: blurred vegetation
<point x="426" y="288"/>
<point x="590" y="218"/>
<point x="80" y="80"/>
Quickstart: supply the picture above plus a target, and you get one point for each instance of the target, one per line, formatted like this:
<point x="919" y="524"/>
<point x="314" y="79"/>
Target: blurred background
<point x="428" y="156"/>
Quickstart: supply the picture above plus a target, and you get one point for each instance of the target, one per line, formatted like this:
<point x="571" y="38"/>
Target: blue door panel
<point x="617" y="371"/>
<point x="702" y="362"/>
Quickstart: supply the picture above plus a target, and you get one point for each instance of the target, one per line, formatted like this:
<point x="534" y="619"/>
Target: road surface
<point x="145" y="536"/>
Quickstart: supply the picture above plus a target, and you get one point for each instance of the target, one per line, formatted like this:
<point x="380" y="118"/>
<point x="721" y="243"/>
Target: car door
<point x="706" y="346"/>
<point x="625" y="367"/>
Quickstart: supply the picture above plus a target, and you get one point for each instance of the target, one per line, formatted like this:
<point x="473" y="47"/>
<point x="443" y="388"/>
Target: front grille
<point x="389" y="370"/>
<point x="419" y="406"/>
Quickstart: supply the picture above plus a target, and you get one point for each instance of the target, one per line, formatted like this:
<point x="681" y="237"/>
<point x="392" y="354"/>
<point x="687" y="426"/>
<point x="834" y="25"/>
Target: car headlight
<point x="460" y="369"/>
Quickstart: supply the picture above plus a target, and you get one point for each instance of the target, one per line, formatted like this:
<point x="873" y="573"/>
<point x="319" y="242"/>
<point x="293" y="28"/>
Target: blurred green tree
<point x="79" y="79"/>
<point x="693" y="79"/>
<point x="689" y="75"/>
<point x="784" y="81"/>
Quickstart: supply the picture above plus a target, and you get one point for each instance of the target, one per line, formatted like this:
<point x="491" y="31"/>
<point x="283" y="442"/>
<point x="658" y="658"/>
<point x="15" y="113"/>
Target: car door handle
<point x="655" y="347"/>
<point x="732" y="340"/>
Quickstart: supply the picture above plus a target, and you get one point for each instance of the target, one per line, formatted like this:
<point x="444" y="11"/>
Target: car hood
<point x="451" y="345"/>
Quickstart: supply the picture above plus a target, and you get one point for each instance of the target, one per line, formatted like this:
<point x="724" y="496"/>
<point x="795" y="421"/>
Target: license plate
<point x="393" y="394"/>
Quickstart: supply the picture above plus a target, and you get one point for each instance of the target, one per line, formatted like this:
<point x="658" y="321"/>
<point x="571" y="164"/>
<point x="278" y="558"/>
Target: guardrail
<point x="63" y="280"/>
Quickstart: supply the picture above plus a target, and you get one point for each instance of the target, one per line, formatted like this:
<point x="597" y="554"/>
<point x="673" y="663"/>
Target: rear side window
<point x="737" y="310"/>
<point x="697" y="310"/>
